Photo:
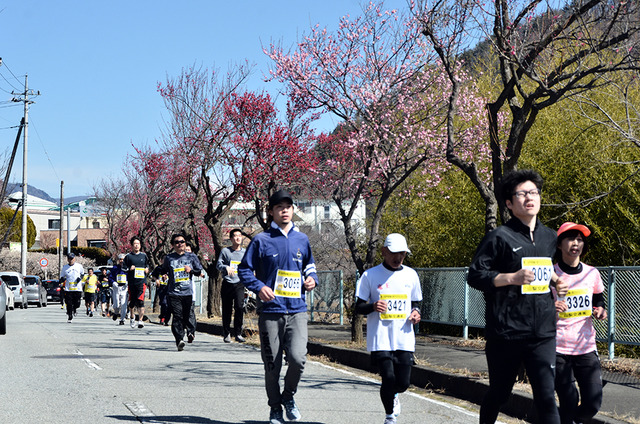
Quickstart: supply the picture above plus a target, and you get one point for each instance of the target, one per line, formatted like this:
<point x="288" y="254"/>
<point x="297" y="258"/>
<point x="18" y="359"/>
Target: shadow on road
<point x="168" y="419"/>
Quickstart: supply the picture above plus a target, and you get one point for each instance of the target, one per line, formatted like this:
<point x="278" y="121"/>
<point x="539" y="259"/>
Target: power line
<point x="8" y="106"/>
<point x="8" y="82"/>
<point x="44" y="149"/>
<point x="2" y="63"/>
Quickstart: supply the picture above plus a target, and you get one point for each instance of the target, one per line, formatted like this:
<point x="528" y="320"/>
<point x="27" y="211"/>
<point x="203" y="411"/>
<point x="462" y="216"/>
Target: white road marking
<point x="437" y="402"/>
<point x="138" y="409"/>
<point x="143" y="413"/>
<point x="89" y="362"/>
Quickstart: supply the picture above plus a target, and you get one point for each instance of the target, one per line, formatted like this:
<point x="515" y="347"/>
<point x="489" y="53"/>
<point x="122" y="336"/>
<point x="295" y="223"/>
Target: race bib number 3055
<point x="288" y="283"/>
<point x="542" y="270"/>
<point x="397" y="306"/>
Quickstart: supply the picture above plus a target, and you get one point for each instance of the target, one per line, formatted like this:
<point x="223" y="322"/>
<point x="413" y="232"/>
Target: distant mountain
<point x="12" y="187"/>
<point x="73" y="199"/>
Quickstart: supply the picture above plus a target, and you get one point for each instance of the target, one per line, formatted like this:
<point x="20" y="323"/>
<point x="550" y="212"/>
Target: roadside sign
<point x="44" y="262"/>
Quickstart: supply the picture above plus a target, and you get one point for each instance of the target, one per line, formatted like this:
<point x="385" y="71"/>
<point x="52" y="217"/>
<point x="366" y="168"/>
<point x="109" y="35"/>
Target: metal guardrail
<point x="198" y="286"/>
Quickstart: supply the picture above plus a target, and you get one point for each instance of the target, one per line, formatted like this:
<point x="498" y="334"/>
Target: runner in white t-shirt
<point x="389" y="294"/>
<point x="576" y="352"/>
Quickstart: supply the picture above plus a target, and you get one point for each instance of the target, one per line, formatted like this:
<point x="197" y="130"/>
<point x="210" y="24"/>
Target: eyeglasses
<point x="531" y="193"/>
<point x="179" y="242"/>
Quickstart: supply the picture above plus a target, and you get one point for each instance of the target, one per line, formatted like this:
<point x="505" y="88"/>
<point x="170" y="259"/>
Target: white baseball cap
<point x="396" y="243"/>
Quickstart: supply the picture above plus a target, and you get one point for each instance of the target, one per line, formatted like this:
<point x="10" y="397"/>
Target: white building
<point x="84" y="230"/>
<point x="317" y="215"/>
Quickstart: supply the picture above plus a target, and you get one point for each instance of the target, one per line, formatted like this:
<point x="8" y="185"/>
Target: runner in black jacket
<point x="513" y="268"/>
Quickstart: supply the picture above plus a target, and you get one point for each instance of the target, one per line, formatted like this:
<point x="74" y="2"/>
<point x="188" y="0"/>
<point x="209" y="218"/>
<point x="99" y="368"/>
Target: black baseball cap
<point x="278" y="197"/>
<point x="71" y="255"/>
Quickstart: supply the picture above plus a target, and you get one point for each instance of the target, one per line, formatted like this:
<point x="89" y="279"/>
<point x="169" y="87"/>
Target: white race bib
<point x="543" y="270"/>
<point x="397" y="306"/>
<point x="180" y="275"/>
<point x="121" y="278"/>
<point x="579" y="303"/>
<point x="138" y="273"/>
<point x="288" y="283"/>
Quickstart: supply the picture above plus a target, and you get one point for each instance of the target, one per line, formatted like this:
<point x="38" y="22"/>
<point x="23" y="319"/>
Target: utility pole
<point x="60" y="248"/>
<point x="24" y="99"/>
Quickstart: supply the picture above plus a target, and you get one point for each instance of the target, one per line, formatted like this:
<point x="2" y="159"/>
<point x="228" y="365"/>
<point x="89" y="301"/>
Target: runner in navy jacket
<point x="279" y="267"/>
<point x="272" y="251"/>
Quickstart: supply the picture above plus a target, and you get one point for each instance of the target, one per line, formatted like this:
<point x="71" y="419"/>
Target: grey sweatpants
<point x="282" y="333"/>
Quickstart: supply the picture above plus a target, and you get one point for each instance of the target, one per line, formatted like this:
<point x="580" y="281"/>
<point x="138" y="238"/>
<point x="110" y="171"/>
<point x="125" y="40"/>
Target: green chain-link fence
<point x="326" y="301"/>
<point x="448" y="299"/>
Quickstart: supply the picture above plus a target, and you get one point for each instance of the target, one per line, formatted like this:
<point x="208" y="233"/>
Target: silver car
<point x="15" y="281"/>
<point x="36" y="293"/>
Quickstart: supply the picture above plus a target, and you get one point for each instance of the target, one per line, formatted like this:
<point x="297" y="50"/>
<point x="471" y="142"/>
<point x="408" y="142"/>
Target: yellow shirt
<point x="90" y="283"/>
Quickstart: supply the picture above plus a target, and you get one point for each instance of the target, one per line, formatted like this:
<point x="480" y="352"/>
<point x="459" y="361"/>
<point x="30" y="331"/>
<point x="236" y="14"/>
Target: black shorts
<point x="89" y="297"/>
<point x="136" y="295"/>
<point x="402" y="357"/>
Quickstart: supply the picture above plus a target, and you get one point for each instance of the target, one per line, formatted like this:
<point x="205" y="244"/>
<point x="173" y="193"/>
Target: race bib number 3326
<point x="578" y="304"/>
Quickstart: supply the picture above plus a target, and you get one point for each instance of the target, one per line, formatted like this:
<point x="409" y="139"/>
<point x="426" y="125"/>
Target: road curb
<point x="470" y="389"/>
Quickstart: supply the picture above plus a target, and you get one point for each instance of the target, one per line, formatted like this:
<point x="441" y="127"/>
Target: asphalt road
<point x="94" y="371"/>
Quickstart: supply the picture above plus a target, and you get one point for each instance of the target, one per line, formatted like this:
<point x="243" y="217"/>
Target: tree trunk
<point x="214" y="300"/>
<point x="357" y="334"/>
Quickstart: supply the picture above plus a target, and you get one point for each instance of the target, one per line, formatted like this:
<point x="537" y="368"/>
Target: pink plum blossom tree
<point x="376" y="75"/>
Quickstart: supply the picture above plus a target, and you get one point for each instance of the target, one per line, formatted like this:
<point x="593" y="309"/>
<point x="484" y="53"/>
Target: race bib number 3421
<point x="397" y="306"/>
<point x="542" y="270"/>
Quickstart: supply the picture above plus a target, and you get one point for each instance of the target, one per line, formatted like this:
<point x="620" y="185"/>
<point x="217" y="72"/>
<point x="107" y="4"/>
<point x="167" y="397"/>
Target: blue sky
<point x="97" y="66"/>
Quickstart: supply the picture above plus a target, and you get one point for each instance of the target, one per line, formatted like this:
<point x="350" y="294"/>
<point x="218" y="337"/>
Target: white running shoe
<point x="397" y="408"/>
<point x="390" y="419"/>
<point x="132" y="323"/>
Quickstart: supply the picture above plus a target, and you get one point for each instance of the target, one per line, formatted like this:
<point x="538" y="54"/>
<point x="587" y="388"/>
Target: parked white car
<point x="3" y="311"/>
<point x="15" y="281"/>
<point x="11" y="299"/>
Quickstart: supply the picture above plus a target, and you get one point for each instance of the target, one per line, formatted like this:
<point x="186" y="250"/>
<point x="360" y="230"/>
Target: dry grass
<point x="342" y="344"/>
<point x="469" y="343"/>
<point x="623" y="365"/>
<point x="465" y="372"/>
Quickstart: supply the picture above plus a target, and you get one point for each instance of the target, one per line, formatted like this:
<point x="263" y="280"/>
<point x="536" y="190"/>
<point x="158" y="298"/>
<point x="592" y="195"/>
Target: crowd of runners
<point x="540" y="299"/>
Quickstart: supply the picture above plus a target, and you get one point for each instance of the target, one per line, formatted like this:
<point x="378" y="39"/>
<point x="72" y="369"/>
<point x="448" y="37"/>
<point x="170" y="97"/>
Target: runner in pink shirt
<point x="576" y="353"/>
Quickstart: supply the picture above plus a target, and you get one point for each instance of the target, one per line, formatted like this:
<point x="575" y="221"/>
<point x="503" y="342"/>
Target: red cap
<point x="573" y="226"/>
